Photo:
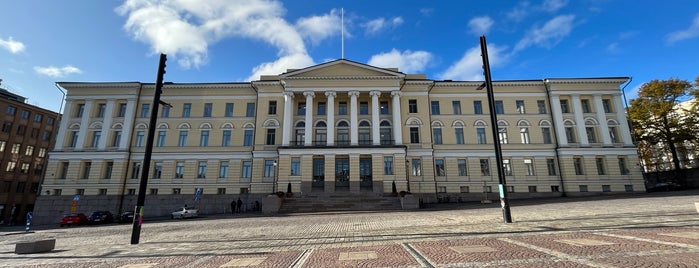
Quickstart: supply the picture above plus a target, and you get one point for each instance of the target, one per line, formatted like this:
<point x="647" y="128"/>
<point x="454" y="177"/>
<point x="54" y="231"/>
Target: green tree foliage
<point x="658" y="121"/>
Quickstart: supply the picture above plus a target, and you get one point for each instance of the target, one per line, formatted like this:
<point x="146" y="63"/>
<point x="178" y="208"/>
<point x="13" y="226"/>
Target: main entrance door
<point x="318" y="172"/>
<point x="365" y="180"/>
<point x="342" y="173"/>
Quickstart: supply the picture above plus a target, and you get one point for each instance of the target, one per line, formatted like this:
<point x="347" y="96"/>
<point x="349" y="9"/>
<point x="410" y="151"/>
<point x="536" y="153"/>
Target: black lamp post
<point x="407" y="173"/>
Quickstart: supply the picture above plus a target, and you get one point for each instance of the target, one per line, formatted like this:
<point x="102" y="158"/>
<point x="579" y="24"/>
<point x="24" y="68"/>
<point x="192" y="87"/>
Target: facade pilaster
<point x="558" y="120"/>
<point x="65" y="119"/>
<point x="602" y="119"/>
<point x="287" y="125"/>
<point x="128" y="124"/>
<point x="308" y="138"/>
<point x="621" y="118"/>
<point x="397" y="122"/>
<point x="106" y="124"/>
<point x="354" y="127"/>
<point x="375" y="137"/>
<point x="579" y="120"/>
<point x="84" y="122"/>
<point x="331" y="117"/>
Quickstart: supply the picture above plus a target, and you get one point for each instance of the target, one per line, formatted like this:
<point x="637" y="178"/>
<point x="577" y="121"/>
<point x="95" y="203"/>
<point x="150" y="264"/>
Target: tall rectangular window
<point x="485" y="167"/>
<point x="519" y="104"/>
<point x="613" y="135"/>
<point x="145" y="110"/>
<point x="246" y="171"/>
<point x="524" y="135"/>
<point x="529" y="164"/>
<point x="208" y="107"/>
<point x="383" y="107"/>
<point x="301" y="108"/>
<point x="591" y="137"/>
<point x="117" y="138"/>
<point x="186" y="110"/>
<point x="96" y="138"/>
<point x="622" y="166"/>
<point x="388" y="165"/>
<point x="135" y="170"/>
<point x="480" y="135"/>
<point x="11" y="166"/>
<point x="108" y="167"/>
<point x="295" y="166"/>
<point x="477" y="107"/>
<point x="599" y="162"/>
<point x="100" y="110"/>
<point x="541" y="104"/>
<point x="499" y="107"/>
<point x="158" y="170"/>
<point x="182" y="142"/>
<point x="435" y="107"/>
<point x="229" y="110"/>
<point x="64" y="170"/>
<point x="502" y="135"/>
<point x="161" y="138"/>
<point x="363" y="108"/>
<point x="607" y="105"/>
<point x="165" y="111"/>
<point x="139" y="138"/>
<point x="342" y="108"/>
<point x="37" y="117"/>
<point x="179" y="170"/>
<point x="570" y="134"/>
<point x="272" y="109"/>
<point x="551" y="166"/>
<point x="437" y="133"/>
<point x="321" y="108"/>
<point x="414" y="135"/>
<point x="507" y="167"/>
<point x="585" y="105"/>
<point x="25" y="114"/>
<point x="412" y="106"/>
<point x="461" y="164"/>
<point x="546" y="133"/>
<point x="79" y="112"/>
<point x="416" y="167"/>
<point x="578" y="166"/>
<point x="223" y="169"/>
<point x="564" y="106"/>
<point x="269" y="168"/>
<point x="226" y="138"/>
<point x="74" y="139"/>
<point x="201" y="169"/>
<point x="439" y="167"/>
<point x="459" y="134"/>
<point x="271" y="136"/>
<point x="247" y="137"/>
<point x="86" y="170"/>
<point x="204" y="138"/>
<point x="250" y="109"/>
<point x="456" y="106"/>
<point x="122" y="110"/>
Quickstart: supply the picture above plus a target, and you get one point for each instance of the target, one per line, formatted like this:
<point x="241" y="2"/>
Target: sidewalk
<point x="650" y="230"/>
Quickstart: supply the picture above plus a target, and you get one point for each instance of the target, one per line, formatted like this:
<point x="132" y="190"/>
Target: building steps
<point x="339" y="201"/>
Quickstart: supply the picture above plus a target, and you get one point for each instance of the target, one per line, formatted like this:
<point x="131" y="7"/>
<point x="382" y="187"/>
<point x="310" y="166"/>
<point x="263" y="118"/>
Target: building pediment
<point x="342" y="69"/>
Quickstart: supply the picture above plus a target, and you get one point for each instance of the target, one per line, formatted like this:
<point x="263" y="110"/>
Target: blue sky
<point x="42" y="42"/>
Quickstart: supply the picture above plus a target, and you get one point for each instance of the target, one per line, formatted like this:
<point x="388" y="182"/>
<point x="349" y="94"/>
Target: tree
<point x="658" y="120"/>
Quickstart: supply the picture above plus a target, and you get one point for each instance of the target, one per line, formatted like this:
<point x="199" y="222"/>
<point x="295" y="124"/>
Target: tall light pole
<point x="276" y="177"/>
<point x="407" y="174"/>
<point x="504" y="202"/>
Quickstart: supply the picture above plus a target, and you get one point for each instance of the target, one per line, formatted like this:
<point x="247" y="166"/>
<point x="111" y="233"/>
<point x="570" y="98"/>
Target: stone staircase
<point x="339" y="201"/>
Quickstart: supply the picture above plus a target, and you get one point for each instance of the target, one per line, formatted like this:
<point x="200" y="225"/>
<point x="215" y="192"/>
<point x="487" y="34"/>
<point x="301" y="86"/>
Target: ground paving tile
<point x="639" y="230"/>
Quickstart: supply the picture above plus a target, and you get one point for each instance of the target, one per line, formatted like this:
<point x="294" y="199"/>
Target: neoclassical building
<point x="339" y="126"/>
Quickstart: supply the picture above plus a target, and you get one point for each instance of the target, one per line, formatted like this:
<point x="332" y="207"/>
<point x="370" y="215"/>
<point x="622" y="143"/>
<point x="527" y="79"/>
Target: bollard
<point x="29" y="221"/>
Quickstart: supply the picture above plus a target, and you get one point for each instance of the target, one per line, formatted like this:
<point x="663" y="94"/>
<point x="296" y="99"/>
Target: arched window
<point x="300" y="131"/>
<point x="385" y="133"/>
<point x="343" y="135"/>
<point x="321" y="133"/>
<point x="364" y="132"/>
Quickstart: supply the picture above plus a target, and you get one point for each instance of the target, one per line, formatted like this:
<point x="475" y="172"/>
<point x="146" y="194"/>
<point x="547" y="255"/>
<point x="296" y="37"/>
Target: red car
<point x="73" y="219"/>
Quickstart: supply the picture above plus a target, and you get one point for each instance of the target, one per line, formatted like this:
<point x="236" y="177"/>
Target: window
<point x="247" y="169"/>
<point x="226" y="138"/>
<point x="502" y="135"/>
<point x="555" y="188"/>
<point x="145" y="110"/>
<point x="20" y="187"/>
<point x="606" y="188"/>
<point x="416" y="167"/>
<point x="139" y="138"/>
<point x="108" y="167"/>
<point x="485" y="167"/>
<point x="179" y="170"/>
<point x="122" y="110"/>
<point x="100" y="110"/>
<point x="135" y="170"/>
<point x="412" y="106"/>
<point x="532" y="189"/>
<point x="271" y="136"/>
<point x="161" y="138"/>
<point x="79" y="111"/>
<point x="388" y="165"/>
<point x="301" y="108"/>
<point x="463" y="189"/>
<point x="64" y="170"/>
<point x="591" y="137"/>
<point x="24" y="168"/>
<point x="165" y="112"/>
<point x="204" y="138"/>
<point x="201" y="170"/>
<point x="439" y="167"/>
<point x="564" y="106"/>
<point x="269" y="168"/>
<point x="49" y="121"/>
<point x="39" y="169"/>
<point x="221" y="191"/>
<point x="437" y="133"/>
<point x="414" y="135"/>
<point x="519" y="104"/>
<point x="25" y="114"/>
<point x="7" y="127"/>
<point x="42" y="151"/>
<point x="57" y="191"/>
<point x="480" y="135"/>
<point x="153" y="191"/>
<point x="477" y="107"/>
<point x="607" y="105"/>
<point x="529" y="164"/>
<point x="583" y="188"/>
<point x="599" y="162"/>
<point x="456" y="107"/>
<point x="363" y="108"/>
<point x="321" y="108"/>
<point x="247" y="137"/>
<point x="21" y="129"/>
<point x="628" y="188"/>
<point x="29" y="150"/>
<point x="295" y="166"/>
<point x="546" y="133"/>
<point x="461" y="163"/>
<point x="102" y="192"/>
<point x="34" y="133"/>
<point x="272" y="107"/>
<point x="157" y="170"/>
<point x="131" y="191"/>
<point x="541" y="104"/>
<point x="223" y="169"/>
<point x="622" y="166"/>
<point x="524" y="135"/>
<point x="229" y="110"/>
<point x="551" y="167"/>
<point x="11" y="166"/>
<point x="578" y="165"/>
<point x="570" y="134"/>
<point x="383" y="107"/>
<point x="250" y="109"/>
<point x="435" y="107"/>
<point x="507" y="167"/>
<point x="117" y="138"/>
<point x="487" y="189"/>
<point x="208" y="107"/>
<point x="15" y="148"/>
<point x="176" y="191"/>
<point x="37" y="117"/>
<point x="182" y="142"/>
<point x="342" y="108"/>
<point x="186" y="109"/>
<point x="441" y="189"/>
<point x="613" y="135"/>
<point x="2" y="146"/>
<point x="499" y="107"/>
<point x="459" y="134"/>
<point x="11" y="110"/>
<point x="585" y="105"/>
<point x="96" y="138"/>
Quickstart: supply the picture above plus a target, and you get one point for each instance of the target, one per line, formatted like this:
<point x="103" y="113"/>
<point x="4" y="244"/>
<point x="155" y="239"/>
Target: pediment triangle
<point x="342" y="68"/>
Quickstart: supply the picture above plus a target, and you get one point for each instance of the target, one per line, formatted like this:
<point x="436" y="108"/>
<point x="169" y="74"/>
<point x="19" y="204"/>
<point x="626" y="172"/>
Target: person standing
<point x="239" y="204"/>
<point x="233" y="207"/>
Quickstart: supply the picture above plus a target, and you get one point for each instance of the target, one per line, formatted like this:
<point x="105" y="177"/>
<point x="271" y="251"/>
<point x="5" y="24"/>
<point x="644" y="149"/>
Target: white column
<point x="375" y="137"/>
<point x="287" y="125"/>
<point x="106" y="124"/>
<point x="331" y="117"/>
<point x="602" y="119"/>
<point x="558" y="120"/>
<point x="621" y="117"/>
<point x="579" y="120"/>
<point x="65" y="118"/>
<point x="127" y="130"/>
<point x="354" y="127"/>
<point x="84" y="122"/>
<point x="397" y="122"/>
<point x="308" y="138"/>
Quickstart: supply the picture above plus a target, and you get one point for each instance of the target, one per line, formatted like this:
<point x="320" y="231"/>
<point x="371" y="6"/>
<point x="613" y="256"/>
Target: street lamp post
<point x="276" y="177"/>
<point x="504" y="202"/>
<point x="407" y="174"/>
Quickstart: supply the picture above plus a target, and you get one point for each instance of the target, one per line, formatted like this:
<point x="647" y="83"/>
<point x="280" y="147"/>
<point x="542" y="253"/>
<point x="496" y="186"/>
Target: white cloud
<point x="52" y="71"/>
<point x="553" y="5"/>
<point x="426" y="11"/>
<point x="519" y="12"/>
<point x="317" y="28"/>
<point x="613" y="48"/>
<point x="480" y="25"/>
<point x="548" y="35"/>
<point x="470" y="66"/>
<point x="689" y="33"/>
<point x="12" y="45"/>
<point x="376" y="26"/>
<point x="186" y="28"/>
<point x="406" y="61"/>
<point x="293" y="61"/>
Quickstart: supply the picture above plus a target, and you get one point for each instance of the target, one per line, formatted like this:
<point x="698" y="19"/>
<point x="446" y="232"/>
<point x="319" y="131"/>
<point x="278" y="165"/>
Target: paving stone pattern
<point x="641" y="230"/>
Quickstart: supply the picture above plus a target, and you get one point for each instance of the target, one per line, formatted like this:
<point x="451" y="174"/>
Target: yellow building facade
<point x="340" y="126"/>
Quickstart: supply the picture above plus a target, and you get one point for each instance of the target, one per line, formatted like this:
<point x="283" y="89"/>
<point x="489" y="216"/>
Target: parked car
<point x="664" y="186"/>
<point x="98" y="217"/>
<point x="73" y="219"/>
<point x="184" y="212"/>
<point x="126" y="217"/>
